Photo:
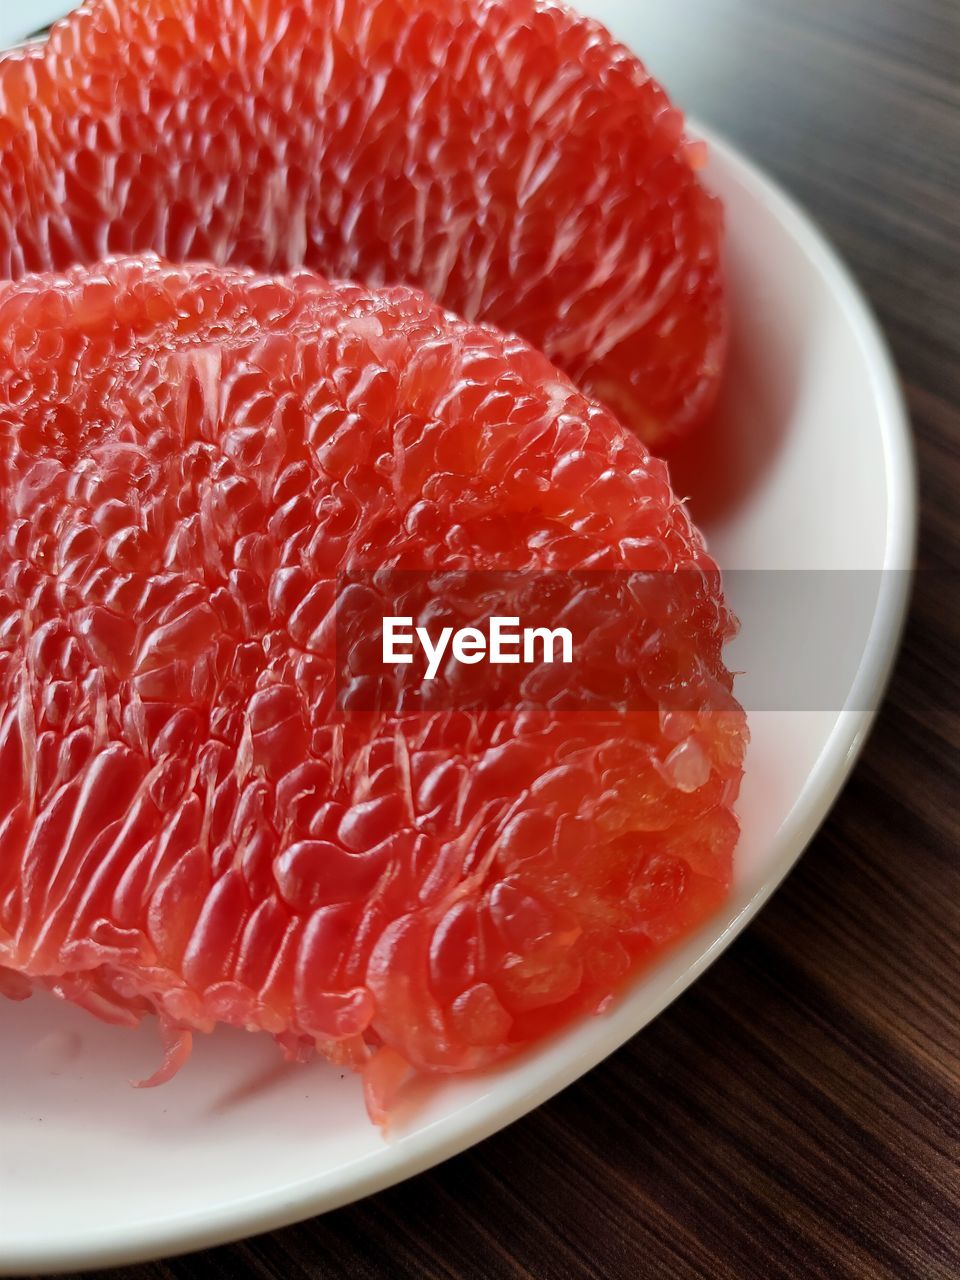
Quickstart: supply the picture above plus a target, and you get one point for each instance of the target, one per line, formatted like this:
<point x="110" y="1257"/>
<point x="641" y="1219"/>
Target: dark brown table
<point x="797" y="1112"/>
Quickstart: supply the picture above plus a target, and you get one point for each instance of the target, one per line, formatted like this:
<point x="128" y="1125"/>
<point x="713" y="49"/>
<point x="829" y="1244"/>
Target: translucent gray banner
<point x="410" y="640"/>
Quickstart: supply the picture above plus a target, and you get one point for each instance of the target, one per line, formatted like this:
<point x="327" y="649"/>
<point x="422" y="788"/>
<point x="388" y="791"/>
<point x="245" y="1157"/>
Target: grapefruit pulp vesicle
<point x="506" y="156"/>
<point x="189" y="824"/>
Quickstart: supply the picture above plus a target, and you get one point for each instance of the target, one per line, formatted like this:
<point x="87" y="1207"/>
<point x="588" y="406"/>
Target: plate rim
<point x="140" y="1240"/>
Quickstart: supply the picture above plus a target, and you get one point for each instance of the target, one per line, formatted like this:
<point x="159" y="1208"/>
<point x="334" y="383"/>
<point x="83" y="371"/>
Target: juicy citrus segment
<point x="506" y="156"/>
<point x="188" y="824"/>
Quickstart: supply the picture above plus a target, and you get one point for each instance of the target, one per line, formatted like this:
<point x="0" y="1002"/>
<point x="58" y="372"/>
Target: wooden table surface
<point x="797" y="1112"/>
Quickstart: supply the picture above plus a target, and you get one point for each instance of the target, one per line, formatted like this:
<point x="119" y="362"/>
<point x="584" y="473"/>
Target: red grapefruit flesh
<point x="188" y="826"/>
<point x="506" y="156"/>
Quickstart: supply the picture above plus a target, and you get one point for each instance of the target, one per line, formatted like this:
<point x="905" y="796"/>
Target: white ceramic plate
<point x="93" y="1172"/>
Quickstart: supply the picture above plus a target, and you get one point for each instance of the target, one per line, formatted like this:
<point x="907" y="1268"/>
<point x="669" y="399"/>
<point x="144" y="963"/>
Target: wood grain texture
<point x="797" y="1112"/>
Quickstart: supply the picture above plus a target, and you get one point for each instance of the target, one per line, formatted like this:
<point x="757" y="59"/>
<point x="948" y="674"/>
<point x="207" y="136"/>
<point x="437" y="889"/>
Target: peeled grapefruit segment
<point x="506" y="156"/>
<point x="190" y="824"/>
